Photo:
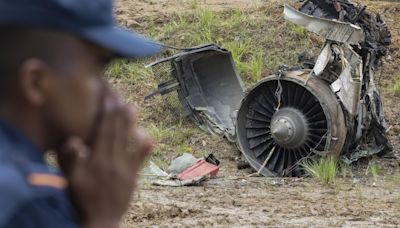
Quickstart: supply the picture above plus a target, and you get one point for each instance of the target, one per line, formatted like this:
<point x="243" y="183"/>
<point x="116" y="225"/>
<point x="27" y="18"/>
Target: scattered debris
<point x="329" y="106"/>
<point x="185" y="170"/>
<point x="366" y="123"/>
<point x="153" y="171"/>
<point x="181" y="163"/>
<point x="213" y="160"/>
<point x="200" y="169"/>
<point x="358" y="154"/>
<point x="179" y="183"/>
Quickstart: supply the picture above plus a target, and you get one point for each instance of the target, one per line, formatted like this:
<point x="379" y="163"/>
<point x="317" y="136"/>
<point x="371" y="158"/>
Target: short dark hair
<point x="18" y="44"/>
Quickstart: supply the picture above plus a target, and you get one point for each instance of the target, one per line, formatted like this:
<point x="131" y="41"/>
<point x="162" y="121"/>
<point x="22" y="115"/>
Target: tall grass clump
<point x="374" y="169"/>
<point x="323" y="169"/>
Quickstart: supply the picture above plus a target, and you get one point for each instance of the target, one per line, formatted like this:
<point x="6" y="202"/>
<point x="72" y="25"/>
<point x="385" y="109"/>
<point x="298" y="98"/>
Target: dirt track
<point x="266" y="202"/>
<point x="235" y="201"/>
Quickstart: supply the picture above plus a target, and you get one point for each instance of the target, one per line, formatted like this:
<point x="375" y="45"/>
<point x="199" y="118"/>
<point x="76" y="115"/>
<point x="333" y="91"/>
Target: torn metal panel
<point x="323" y="59"/>
<point x="208" y="86"/>
<point x="185" y="51"/>
<point x="361" y="153"/>
<point x="330" y="29"/>
<point x="348" y="85"/>
<point x="377" y="35"/>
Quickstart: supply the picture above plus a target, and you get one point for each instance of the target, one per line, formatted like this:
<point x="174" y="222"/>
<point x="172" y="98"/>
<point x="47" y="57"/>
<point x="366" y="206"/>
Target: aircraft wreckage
<point x="329" y="106"/>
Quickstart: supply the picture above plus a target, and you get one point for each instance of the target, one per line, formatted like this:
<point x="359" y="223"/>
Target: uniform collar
<point x="11" y="137"/>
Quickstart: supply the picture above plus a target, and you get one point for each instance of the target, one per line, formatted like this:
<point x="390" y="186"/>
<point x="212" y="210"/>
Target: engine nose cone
<point x="282" y="130"/>
<point x="289" y="128"/>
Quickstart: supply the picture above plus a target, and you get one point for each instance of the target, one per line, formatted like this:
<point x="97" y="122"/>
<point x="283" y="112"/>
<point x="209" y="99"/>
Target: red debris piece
<point x="201" y="168"/>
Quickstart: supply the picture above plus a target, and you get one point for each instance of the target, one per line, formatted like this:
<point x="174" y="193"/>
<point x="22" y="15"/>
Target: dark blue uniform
<point x="31" y="193"/>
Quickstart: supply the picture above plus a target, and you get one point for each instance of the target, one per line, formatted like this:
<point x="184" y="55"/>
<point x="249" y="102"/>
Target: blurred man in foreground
<point x="53" y="97"/>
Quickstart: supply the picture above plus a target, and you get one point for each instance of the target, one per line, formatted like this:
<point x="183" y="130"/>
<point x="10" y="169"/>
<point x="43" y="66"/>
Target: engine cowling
<point x="276" y="137"/>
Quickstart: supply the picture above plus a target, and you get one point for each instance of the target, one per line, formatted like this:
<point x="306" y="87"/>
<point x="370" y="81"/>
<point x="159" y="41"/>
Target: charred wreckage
<point x="328" y="106"/>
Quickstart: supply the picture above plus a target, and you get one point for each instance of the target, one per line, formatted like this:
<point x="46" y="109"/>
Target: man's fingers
<point x="72" y="155"/>
<point x="133" y="111"/>
<point x="115" y="126"/>
<point x="141" y="148"/>
<point x="123" y="129"/>
<point x="104" y="141"/>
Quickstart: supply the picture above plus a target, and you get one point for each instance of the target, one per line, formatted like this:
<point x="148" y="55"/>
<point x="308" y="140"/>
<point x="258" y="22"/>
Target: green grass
<point x="171" y="138"/>
<point x="374" y="170"/>
<point x="172" y="141"/>
<point x="130" y="71"/>
<point x="323" y="169"/>
<point x="396" y="86"/>
<point x="256" y="66"/>
<point x="259" y="40"/>
<point x="298" y="31"/>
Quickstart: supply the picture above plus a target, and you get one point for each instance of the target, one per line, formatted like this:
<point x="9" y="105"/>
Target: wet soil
<point x="236" y="202"/>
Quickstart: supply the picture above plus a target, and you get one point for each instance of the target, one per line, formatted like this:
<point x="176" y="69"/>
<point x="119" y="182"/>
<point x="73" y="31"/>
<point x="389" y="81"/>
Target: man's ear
<point x="34" y="80"/>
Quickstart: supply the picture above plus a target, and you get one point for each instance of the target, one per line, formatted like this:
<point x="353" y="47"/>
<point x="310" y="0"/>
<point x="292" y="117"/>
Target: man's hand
<point x="102" y="176"/>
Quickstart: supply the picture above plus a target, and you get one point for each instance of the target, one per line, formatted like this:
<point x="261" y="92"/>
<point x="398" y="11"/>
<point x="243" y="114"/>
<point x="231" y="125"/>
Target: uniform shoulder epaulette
<point x="47" y="180"/>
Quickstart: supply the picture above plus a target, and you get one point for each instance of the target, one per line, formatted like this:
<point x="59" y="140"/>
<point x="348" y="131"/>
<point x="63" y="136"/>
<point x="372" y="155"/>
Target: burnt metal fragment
<point x="377" y="35"/>
<point x="369" y="126"/>
<point x="208" y="87"/>
<point x="331" y="108"/>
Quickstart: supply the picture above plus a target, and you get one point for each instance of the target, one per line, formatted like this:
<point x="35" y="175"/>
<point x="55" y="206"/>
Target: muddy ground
<point x="235" y="200"/>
